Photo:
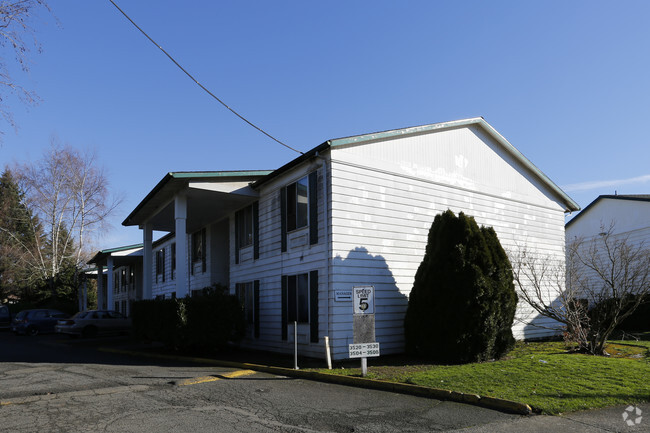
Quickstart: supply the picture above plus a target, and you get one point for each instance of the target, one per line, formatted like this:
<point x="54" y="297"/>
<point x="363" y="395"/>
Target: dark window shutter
<point x="283" y="219"/>
<point x="163" y="265"/>
<point x="192" y="249"/>
<point x="313" y="208"/>
<point x="238" y="292"/>
<point x="204" y="251"/>
<point x="284" y="307"/>
<point x="237" y="222"/>
<point x="256" y="307"/>
<point x="256" y="230"/>
<point x="313" y="306"/>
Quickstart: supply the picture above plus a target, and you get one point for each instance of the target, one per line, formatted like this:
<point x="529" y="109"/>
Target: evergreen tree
<point x="18" y="230"/>
<point x="463" y="300"/>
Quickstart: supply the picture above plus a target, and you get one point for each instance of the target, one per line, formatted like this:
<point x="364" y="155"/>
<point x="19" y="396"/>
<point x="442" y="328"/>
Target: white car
<point x="94" y="322"/>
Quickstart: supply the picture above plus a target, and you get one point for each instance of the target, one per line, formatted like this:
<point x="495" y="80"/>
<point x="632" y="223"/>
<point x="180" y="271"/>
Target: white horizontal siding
<point x="273" y="264"/>
<point x="382" y="213"/>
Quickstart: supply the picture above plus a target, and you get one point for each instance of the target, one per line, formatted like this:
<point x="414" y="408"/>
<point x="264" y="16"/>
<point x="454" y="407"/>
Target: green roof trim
<point x="212" y="174"/>
<point x="118" y="249"/>
<point x="404" y="131"/>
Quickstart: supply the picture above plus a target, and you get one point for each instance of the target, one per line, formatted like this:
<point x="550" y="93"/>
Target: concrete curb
<point x="401" y="388"/>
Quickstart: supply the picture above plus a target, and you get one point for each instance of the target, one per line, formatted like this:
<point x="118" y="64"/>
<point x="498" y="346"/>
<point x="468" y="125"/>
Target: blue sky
<point x="565" y="82"/>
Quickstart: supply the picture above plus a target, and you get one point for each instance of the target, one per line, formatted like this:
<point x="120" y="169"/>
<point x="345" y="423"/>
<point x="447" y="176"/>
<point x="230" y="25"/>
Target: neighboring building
<point x="630" y="215"/>
<point x="121" y="283"/>
<point x="122" y="272"/>
<point x="352" y="211"/>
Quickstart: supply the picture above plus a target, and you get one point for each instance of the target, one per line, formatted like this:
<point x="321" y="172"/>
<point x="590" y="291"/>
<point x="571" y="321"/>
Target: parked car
<point x="34" y="322"/>
<point x="94" y="322"/>
<point x="5" y="317"/>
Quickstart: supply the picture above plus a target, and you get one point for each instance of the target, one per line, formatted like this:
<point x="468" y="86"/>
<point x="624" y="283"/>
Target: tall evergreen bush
<point x="463" y="300"/>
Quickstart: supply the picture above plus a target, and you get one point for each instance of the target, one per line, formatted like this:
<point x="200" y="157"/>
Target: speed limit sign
<point x="364" y="300"/>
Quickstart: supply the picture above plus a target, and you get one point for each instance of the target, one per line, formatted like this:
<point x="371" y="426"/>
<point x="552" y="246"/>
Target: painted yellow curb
<point x="206" y="379"/>
<point x="401" y="388"/>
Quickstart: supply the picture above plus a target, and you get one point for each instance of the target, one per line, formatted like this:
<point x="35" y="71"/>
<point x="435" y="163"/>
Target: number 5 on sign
<point x="364" y="300"/>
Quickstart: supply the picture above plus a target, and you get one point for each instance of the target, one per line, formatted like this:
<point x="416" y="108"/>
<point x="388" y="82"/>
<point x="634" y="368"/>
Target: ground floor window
<point x="249" y="298"/>
<point x="300" y="302"/>
<point x="298" y="298"/>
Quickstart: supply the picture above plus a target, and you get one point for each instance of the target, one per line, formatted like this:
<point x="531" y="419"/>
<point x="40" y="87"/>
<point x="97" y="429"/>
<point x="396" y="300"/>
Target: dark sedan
<point x="34" y="322"/>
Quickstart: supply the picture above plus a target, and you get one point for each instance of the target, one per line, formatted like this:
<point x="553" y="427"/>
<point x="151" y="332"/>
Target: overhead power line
<point x="201" y="85"/>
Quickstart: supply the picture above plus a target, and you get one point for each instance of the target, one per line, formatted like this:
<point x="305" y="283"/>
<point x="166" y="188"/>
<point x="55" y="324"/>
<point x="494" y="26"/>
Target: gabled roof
<point x="569" y="204"/>
<point x="628" y="197"/>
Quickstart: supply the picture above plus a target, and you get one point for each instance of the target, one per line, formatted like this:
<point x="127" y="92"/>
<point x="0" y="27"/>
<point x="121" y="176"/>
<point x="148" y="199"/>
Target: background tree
<point x="69" y="194"/>
<point x="463" y="300"/>
<point x="19" y="231"/>
<point x="17" y="35"/>
<point x="604" y="280"/>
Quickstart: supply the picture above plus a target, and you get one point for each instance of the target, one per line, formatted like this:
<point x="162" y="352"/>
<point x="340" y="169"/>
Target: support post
<point x="364" y="366"/>
<point x="100" y="286"/>
<point x="328" y="354"/>
<point x="147" y="261"/>
<point x="110" y="283"/>
<point x="180" y="216"/>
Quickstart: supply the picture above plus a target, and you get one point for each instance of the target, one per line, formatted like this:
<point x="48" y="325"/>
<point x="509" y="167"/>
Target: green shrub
<point x="463" y="300"/>
<point x="202" y="323"/>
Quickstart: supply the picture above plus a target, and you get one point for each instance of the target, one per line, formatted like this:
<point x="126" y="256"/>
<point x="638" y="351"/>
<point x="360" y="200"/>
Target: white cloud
<point x="605" y="184"/>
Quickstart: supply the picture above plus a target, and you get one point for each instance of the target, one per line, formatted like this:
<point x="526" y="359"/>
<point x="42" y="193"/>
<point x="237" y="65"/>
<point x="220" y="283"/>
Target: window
<point x="300" y="303"/>
<point x="198" y="245"/>
<point x="199" y="252"/>
<point x="244" y="225"/>
<point x="298" y="204"/>
<point x="160" y="264"/>
<point x="249" y="299"/>
<point x="246" y="300"/>
<point x="298" y="298"/>
<point x="299" y="209"/>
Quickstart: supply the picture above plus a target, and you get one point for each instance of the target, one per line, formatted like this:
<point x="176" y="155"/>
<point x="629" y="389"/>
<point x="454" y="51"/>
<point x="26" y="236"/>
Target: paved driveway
<point x="48" y="384"/>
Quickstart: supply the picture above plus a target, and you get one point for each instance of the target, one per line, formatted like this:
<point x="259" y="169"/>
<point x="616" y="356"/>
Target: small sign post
<point x="363" y="309"/>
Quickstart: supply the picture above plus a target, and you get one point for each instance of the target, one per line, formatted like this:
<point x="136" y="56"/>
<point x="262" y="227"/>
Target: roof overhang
<point x="210" y="196"/>
<point x="121" y="255"/>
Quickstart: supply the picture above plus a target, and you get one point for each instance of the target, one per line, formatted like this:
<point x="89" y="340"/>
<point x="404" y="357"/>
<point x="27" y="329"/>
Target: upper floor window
<point x="299" y="208"/>
<point x="160" y="264"/>
<point x="298" y="204"/>
<point x="245" y="226"/>
<point x="198" y="245"/>
<point x="199" y="250"/>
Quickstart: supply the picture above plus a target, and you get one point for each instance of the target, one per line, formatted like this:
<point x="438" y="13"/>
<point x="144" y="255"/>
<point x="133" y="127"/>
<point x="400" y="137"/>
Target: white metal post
<point x="295" y="345"/>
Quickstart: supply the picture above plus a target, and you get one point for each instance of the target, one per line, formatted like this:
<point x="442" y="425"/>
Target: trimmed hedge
<point x="463" y="300"/>
<point x="201" y="323"/>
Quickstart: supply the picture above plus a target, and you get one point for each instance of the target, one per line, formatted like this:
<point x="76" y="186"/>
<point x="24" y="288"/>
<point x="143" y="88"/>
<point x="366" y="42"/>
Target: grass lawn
<point x="545" y="375"/>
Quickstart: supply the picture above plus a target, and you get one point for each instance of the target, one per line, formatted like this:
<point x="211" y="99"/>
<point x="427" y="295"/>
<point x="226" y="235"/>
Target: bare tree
<point x="69" y="193"/>
<point x="15" y="28"/>
<point x="603" y="281"/>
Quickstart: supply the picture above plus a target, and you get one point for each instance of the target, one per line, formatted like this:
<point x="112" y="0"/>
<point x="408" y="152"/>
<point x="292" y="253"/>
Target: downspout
<point x="328" y="249"/>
